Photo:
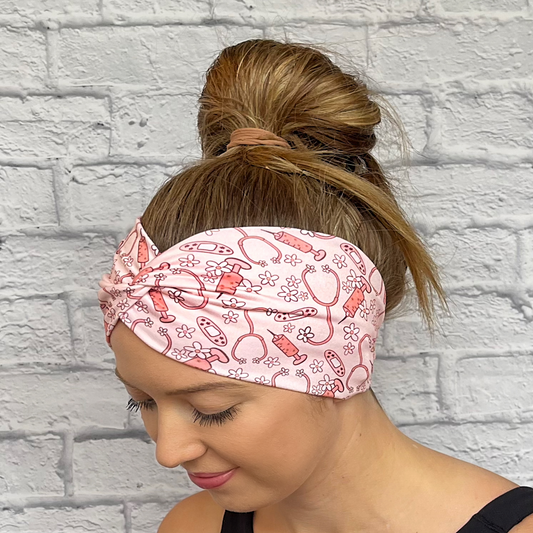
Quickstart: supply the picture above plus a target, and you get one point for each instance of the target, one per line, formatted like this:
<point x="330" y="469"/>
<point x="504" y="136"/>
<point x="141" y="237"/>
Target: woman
<point x="273" y="262"/>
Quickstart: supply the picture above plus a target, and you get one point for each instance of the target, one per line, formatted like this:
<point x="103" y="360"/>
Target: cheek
<point x="285" y="445"/>
<point x="149" y="419"/>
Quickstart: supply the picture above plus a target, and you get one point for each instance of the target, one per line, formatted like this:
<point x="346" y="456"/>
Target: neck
<point x="370" y="479"/>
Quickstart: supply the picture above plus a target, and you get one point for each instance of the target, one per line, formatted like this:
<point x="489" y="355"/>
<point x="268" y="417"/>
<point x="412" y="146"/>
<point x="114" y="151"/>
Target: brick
<point x="201" y="7"/>
<point x="176" y="55"/>
<point x="62" y="400"/>
<point x="346" y="45"/>
<point x="92" y="472"/>
<point x="279" y="10"/>
<point x="30" y="467"/>
<point x="36" y="7"/>
<point x="97" y="519"/>
<point x="468" y="121"/>
<point x="495" y="385"/>
<point x="527" y="256"/>
<point x="27" y="197"/>
<point x="89" y="337"/>
<point x="410" y="391"/>
<point x="54" y="264"/>
<point x="483" y="5"/>
<point x="120" y="190"/>
<point x="34" y="331"/>
<point x="478" y="321"/>
<point x="466" y="191"/>
<point x="413" y="114"/>
<point x="53" y="126"/>
<point x="413" y="53"/>
<point x="501" y="448"/>
<point x="148" y="516"/>
<point x="162" y="124"/>
<point x="475" y="255"/>
<point x="22" y="56"/>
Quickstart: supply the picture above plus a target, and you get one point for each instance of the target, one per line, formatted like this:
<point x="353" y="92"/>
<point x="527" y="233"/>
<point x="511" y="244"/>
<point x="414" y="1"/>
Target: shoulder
<point x="196" y="514"/>
<point x="526" y="526"/>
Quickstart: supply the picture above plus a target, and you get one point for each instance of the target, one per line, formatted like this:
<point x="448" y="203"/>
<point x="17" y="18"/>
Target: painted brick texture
<point x="98" y="108"/>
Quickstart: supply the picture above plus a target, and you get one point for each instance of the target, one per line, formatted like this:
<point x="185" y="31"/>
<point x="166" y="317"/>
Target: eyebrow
<point x="197" y="388"/>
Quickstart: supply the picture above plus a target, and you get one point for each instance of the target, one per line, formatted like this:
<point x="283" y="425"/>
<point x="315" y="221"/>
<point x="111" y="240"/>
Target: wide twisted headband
<point x="281" y="307"/>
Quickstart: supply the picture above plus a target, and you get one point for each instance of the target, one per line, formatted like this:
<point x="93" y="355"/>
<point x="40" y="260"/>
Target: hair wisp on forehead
<point x="328" y="181"/>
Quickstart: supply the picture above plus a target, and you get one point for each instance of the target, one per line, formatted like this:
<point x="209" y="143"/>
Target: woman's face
<point x="276" y="437"/>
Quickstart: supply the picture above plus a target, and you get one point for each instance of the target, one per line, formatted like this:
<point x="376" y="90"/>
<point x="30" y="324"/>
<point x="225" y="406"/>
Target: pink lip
<point x="211" y="481"/>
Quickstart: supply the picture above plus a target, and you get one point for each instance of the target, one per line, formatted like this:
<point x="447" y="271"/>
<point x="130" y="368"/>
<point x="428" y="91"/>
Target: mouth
<point x="211" y="481"/>
<point x="208" y="474"/>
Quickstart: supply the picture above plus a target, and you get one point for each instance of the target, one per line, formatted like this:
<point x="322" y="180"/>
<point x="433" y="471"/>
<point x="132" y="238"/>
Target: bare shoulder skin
<point x="196" y="514"/>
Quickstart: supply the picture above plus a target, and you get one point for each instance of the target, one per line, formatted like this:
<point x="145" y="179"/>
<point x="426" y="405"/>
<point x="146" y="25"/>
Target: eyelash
<point x="205" y="420"/>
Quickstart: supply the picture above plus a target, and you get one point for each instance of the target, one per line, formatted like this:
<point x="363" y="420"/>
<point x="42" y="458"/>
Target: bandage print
<point x="261" y="274"/>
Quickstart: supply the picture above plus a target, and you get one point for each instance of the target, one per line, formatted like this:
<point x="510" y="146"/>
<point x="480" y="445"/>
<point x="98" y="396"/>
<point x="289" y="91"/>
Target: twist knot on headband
<point x="255" y="136"/>
<point x="275" y="306"/>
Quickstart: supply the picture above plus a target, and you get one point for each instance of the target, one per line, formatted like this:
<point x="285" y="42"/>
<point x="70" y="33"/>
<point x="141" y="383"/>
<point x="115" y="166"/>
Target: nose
<point x="176" y="440"/>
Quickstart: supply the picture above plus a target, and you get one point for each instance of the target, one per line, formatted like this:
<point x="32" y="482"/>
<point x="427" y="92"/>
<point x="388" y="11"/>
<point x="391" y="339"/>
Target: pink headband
<point x="276" y="306"/>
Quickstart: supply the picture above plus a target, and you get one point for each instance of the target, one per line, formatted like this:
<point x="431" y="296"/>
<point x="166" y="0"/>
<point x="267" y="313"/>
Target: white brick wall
<point x="97" y="108"/>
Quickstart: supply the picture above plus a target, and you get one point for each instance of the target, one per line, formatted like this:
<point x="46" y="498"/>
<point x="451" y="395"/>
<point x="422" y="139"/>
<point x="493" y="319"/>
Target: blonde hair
<point x="328" y="181"/>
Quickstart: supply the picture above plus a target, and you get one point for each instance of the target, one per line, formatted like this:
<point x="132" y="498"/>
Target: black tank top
<point x="498" y="516"/>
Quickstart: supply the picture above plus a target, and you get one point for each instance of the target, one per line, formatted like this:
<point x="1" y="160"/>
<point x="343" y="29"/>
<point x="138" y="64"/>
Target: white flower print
<point x="311" y="268"/>
<point x="248" y="287"/>
<point x="307" y="232"/>
<point x="209" y="278"/>
<point x="292" y="259"/>
<point x="293" y="281"/>
<point x="327" y="383"/>
<point x="125" y="318"/>
<point x="364" y="311"/>
<point x="162" y="331"/>
<point x="304" y="296"/>
<point x="272" y="361"/>
<point x="188" y="261"/>
<point x="129" y="291"/>
<point x="304" y="334"/>
<point x="217" y="268"/>
<point x="287" y="328"/>
<point x="268" y="278"/>
<point x="233" y="303"/>
<point x="316" y="366"/>
<point x="230" y="317"/>
<point x="128" y="261"/>
<point x="262" y="380"/>
<point x="354" y="279"/>
<point x="237" y="374"/>
<point x="349" y="348"/>
<point x="326" y="269"/>
<point x="159" y="276"/>
<point x="148" y="322"/>
<point x="340" y="261"/>
<point x="114" y="292"/>
<point x="351" y="332"/>
<point x="141" y="307"/>
<point x="123" y="304"/>
<point x="185" y="331"/>
<point x="197" y="350"/>
<point x="347" y="286"/>
<point x="288" y="294"/>
<point x="179" y="354"/>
